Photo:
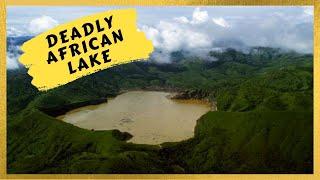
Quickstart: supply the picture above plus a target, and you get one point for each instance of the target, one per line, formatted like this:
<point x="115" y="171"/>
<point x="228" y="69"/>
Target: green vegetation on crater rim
<point x="264" y="122"/>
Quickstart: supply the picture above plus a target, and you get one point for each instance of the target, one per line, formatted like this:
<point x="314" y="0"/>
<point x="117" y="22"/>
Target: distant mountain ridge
<point x="209" y="54"/>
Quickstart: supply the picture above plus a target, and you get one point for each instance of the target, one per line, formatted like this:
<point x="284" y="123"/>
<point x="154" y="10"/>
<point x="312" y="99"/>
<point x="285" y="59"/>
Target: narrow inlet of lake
<point x="150" y="116"/>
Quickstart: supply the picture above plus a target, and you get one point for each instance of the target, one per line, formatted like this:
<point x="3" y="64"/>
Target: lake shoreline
<point x="151" y="117"/>
<point x="175" y="92"/>
<point x="61" y="110"/>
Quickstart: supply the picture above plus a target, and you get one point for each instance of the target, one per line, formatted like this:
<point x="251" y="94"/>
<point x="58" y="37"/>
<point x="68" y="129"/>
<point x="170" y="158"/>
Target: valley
<point x="263" y="122"/>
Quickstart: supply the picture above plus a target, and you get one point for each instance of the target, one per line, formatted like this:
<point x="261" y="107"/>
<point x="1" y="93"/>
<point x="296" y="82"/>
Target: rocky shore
<point x="60" y="110"/>
<point x="197" y="94"/>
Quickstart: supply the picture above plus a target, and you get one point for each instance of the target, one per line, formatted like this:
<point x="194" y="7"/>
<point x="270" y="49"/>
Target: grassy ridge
<point x="247" y="142"/>
<point x="42" y="144"/>
<point x="263" y="124"/>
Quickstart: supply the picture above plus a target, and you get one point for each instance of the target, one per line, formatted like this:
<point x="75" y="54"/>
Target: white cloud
<point x="161" y="56"/>
<point x="41" y="24"/>
<point x="308" y="10"/>
<point x="198" y="17"/>
<point x="12" y="31"/>
<point x="152" y="34"/>
<point x="221" y="22"/>
<point x="196" y="39"/>
<point x="279" y="29"/>
<point x="171" y="36"/>
<point x="182" y="19"/>
<point x="12" y="62"/>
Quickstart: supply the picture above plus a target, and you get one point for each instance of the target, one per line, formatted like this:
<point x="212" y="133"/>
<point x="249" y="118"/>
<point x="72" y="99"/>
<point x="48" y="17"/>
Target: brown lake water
<point x="150" y="116"/>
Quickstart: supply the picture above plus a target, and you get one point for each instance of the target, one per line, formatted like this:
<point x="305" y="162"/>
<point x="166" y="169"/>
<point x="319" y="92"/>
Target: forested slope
<point x="264" y="122"/>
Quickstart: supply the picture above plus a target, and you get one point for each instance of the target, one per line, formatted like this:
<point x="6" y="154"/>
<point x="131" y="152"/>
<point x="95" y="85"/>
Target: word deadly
<point x="101" y="40"/>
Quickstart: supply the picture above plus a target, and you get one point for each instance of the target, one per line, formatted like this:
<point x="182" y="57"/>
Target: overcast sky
<point x="189" y="28"/>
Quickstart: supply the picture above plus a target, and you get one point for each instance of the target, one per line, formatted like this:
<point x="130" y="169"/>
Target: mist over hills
<point x="193" y="30"/>
<point x="263" y="122"/>
<point x="159" y="55"/>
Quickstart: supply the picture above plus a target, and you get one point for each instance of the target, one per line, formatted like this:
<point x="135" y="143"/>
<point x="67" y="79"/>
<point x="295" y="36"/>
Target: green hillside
<point x="264" y="122"/>
<point x="42" y="144"/>
<point x="247" y="142"/>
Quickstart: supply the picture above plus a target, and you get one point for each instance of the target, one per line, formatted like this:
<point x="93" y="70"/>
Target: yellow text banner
<point x="84" y="46"/>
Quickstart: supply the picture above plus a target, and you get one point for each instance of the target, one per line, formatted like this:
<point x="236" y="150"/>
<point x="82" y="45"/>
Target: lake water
<point x="149" y="116"/>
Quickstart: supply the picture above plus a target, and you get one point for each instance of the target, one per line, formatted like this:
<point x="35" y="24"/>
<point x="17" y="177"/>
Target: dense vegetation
<point x="264" y="122"/>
